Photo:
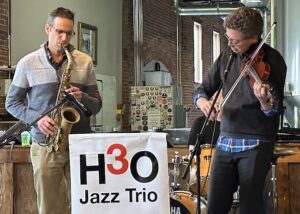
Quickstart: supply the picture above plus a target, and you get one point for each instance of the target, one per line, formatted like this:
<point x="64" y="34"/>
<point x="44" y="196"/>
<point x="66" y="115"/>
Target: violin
<point x="259" y="71"/>
<point x="255" y="70"/>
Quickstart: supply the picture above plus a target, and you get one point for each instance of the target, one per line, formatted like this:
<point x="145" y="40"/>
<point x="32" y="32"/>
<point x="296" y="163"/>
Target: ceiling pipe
<point x="221" y="8"/>
<point x="138" y="40"/>
<point x="205" y="11"/>
<point x="205" y="8"/>
<point x="178" y="59"/>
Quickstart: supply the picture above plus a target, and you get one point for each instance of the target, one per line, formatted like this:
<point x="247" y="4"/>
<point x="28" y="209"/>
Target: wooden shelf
<point x="8" y="122"/>
<point x="7" y="119"/>
<point x="7" y="69"/>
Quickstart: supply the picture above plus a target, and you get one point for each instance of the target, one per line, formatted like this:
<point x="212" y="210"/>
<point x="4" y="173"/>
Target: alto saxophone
<point x="65" y="116"/>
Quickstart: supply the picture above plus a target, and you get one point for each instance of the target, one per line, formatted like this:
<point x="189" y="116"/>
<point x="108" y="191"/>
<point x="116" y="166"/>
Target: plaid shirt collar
<point x="50" y="58"/>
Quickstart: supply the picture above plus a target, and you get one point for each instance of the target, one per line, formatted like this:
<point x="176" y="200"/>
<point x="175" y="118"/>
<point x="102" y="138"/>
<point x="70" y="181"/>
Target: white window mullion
<point x="198" y="62"/>
<point x="216" y="45"/>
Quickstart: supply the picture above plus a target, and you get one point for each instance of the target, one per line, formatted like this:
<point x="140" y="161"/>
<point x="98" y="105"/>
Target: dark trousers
<point x="247" y="170"/>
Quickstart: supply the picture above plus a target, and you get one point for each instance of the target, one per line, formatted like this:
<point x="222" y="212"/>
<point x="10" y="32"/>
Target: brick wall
<point x="159" y="37"/>
<point x="3" y="32"/>
<point x="209" y="24"/>
<point x="160" y="34"/>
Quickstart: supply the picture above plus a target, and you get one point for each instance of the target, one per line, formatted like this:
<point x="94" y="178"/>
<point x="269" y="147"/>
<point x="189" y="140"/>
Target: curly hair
<point x="60" y="12"/>
<point x="245" y="20"/>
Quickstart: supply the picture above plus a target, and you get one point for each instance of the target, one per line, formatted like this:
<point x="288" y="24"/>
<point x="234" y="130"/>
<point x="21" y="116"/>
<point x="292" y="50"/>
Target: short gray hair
<point x="62" y="13"/>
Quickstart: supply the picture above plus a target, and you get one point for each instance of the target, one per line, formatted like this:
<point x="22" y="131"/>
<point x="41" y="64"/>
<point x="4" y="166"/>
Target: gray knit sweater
<point x="35" y="86"/>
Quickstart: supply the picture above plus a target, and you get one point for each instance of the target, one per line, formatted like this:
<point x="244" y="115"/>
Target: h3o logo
<point x="120" y="158"/>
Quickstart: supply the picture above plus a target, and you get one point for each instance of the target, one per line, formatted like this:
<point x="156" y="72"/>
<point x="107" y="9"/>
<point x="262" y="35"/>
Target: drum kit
<point x="183" y="194"/>
<point x="184" y="202"/>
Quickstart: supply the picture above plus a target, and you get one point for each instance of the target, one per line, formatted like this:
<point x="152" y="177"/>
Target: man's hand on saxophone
<point x="75" y="92"/>
<point x="47" y="125"/>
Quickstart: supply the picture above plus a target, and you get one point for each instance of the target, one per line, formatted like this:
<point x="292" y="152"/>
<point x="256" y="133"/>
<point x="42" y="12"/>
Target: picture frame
<point x="87" y="40"/>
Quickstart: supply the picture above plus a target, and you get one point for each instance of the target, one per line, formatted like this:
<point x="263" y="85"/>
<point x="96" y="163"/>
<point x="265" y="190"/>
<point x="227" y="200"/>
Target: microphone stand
<point x="197" y="149"/>
<point x="4" y="140"/>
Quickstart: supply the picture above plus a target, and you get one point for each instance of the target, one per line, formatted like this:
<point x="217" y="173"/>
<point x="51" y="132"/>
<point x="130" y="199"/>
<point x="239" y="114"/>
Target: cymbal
<point x="282" y="152"/>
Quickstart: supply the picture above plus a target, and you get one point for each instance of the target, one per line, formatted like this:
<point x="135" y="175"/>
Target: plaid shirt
<point x="236" y="144"/>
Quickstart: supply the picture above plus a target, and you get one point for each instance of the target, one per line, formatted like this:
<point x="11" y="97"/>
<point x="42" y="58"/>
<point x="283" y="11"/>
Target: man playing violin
<point x="250" y="117"/>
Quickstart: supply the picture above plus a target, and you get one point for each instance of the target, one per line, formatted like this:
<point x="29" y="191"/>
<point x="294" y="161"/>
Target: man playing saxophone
<point x="36" y="86"/>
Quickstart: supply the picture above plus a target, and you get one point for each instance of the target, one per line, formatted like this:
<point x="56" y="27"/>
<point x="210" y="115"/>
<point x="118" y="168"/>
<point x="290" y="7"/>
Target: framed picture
<point x="87" y="40"/>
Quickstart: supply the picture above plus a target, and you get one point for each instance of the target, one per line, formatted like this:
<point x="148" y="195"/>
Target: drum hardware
<point x="184" y="202"/>
<point x="176" y="160"/>
<point x="236" y="201"/>
<point x="206" y="156"/>
<point x="272" y="194"/>
<point x="197" y="152"/>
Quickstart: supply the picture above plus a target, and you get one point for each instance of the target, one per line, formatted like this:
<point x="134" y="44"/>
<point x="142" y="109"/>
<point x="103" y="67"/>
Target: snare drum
<point x="206" y="156"/>
<point x="184" y="203"/>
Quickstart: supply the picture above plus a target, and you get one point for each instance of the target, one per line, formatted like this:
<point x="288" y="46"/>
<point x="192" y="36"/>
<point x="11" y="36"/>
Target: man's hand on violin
<point x="261" y="91"/>
<point x="205" y="106"/>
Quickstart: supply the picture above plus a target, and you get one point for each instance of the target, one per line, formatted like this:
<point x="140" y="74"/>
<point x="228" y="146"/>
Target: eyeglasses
<point x="61" y="32"/>
<point x="233" y="41"/>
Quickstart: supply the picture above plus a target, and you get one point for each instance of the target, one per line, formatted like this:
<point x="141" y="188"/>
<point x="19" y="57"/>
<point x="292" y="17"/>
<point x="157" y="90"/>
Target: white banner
<point x="119" y="173"/>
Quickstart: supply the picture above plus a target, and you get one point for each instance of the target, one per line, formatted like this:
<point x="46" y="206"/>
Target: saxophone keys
<point x="55" y="147"/>
<point x="49" y="148"/>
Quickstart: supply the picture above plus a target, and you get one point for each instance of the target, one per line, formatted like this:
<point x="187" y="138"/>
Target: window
<point x="216" y="45"/>
<point x="198" y="63"/>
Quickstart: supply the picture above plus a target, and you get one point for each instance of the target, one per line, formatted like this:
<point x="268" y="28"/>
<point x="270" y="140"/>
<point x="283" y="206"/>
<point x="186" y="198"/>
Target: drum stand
<point x="236" y="203"/>
<point x="176" y="170"/>
<point x="272" y="194"/>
